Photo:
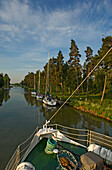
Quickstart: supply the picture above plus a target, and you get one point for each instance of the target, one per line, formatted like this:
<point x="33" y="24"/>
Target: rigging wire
<point x="78" y="87"/>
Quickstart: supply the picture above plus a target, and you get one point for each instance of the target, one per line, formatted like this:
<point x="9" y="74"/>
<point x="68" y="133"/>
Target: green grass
<point x="93" y="104"/>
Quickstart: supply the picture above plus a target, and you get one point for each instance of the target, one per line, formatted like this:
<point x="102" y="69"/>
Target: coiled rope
<point x="51" y="145"/>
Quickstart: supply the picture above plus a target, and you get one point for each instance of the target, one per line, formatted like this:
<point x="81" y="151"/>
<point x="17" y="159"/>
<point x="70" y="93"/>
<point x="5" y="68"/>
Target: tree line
<point x="4" y="81"/>
<point x="64" y="77"/>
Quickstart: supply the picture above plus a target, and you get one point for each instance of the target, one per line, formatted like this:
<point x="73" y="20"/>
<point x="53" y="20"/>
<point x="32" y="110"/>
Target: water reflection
<point x="69" y="116"/>
<point x="49" y="108"/>
<point x="23" y="113"/>
<point x="4" y="97"/>
<point x="30" y="100"/>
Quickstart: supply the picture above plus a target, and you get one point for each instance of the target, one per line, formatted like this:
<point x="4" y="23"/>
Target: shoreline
<point x="83" y="108"/>
<point x="91" y="112"/>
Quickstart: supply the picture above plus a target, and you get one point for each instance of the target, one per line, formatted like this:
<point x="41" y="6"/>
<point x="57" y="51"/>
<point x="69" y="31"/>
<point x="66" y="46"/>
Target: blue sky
<point x="31" y="28"/>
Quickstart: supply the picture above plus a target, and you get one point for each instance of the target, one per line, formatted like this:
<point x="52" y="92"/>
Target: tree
<point x="29" y="80"/>
<point x="46" y="77"/>
<point x="60" y="63"/>
<point x="74" y="60"/>
<point x="84" y="74"/>
<point x="53" y="74"/>
<point x="107" y="62"/>
<point x="6" y="81"/>
<point x="89" y="53"/>
<point x="99" y="79"/>
<point x="43" y="81"/>
<point x="1" y="80"/>
<point x="65" y="77"/>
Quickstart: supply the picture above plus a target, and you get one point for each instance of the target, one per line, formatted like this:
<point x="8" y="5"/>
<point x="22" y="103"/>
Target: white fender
<point x="25" y="166"/>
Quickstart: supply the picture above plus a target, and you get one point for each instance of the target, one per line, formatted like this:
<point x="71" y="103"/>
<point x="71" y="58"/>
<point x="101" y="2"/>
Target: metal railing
<point x="83" y="136"/>
<point x="100" y="139"/>
<point x="78" y="135"/>
<point x="19" y="153"/>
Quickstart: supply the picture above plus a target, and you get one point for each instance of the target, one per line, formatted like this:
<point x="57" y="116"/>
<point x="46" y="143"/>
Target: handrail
<point x="55" y="124"/>
<point x="75" y="138"/>
<point x="101" y="134"/>
<point x="11" y="159"/>
<point x="90" y="136"/>
<point x="73" y="134"/>
<point x="102" y="143"/>
<point x="106" y="140"/>
<point x="18" y="152"/>
<point x="83" y="136"/>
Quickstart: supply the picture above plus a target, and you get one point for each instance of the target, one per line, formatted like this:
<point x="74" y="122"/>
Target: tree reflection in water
<point x="4" y="97"/>
<point x="69" y="116"/>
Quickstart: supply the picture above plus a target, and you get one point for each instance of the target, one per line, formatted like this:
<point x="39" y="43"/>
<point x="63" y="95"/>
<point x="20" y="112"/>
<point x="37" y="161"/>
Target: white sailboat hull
<point x="39" y="97"/>
<point x="33" y="93"/>
<point x="50" y="102"/>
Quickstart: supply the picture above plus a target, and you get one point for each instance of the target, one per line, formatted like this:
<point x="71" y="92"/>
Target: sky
<point x="31" y="28"/>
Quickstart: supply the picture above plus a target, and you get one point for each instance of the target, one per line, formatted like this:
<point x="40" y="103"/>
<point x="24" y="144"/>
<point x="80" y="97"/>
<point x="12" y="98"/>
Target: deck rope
<point x="79" y="86"/>
<point x="51" y="145"/>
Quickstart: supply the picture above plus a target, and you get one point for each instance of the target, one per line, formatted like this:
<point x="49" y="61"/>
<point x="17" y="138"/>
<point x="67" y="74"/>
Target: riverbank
<point x="102" y="115"/>
<point x="105" y="115"/>
<point x="92" y="105"/>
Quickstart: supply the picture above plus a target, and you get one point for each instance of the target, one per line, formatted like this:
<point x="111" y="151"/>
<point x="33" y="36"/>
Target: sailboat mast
<point x="47" y="77"/>
<point x="34" y="82"/>
<point x="48" y="74"/>
<point x="39" y="83"/>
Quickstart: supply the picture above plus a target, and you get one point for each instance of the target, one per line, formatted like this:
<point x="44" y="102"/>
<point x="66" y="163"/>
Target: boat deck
<point x="41" y="161"/>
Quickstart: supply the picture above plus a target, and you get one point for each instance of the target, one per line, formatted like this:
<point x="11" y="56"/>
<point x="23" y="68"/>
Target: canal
<point x="20" y="114"/>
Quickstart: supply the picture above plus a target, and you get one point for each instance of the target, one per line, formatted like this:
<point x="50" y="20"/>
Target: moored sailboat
<point x="33" y="93"/>
<point x="48" y="100"/>
<point x="80" y="148"/>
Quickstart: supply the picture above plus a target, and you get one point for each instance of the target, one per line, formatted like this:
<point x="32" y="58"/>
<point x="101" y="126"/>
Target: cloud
<point x="28" y="31"/>
<point x="20" y="22"/>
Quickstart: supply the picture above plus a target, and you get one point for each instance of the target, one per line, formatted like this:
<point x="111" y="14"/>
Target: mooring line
<point x="78" y="87"/>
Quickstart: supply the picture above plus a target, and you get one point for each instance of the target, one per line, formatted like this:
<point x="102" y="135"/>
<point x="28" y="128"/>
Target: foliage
<point x="4" y="80"/>
<point x="64" y="77"/>
<point x="74" y="61"/>
<point x="1" y="80"/>
<point x="93" y="105"/>
<point x="107" y="62"/>
<point x="89" y="53"/>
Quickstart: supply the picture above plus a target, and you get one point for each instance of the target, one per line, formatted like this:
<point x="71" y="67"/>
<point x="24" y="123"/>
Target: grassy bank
<point x="92" y="105"/>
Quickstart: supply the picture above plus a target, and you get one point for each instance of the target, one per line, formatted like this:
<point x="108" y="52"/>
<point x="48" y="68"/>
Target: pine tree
<point x="1" y="80"/>
<point x="74" y="60"/>
<point x="107" y="62"/>
<point x="89" y="53"/>
<point x="60" y="63"/>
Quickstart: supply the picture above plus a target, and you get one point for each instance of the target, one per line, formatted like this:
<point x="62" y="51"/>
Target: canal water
<point x="20" y="114"/>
